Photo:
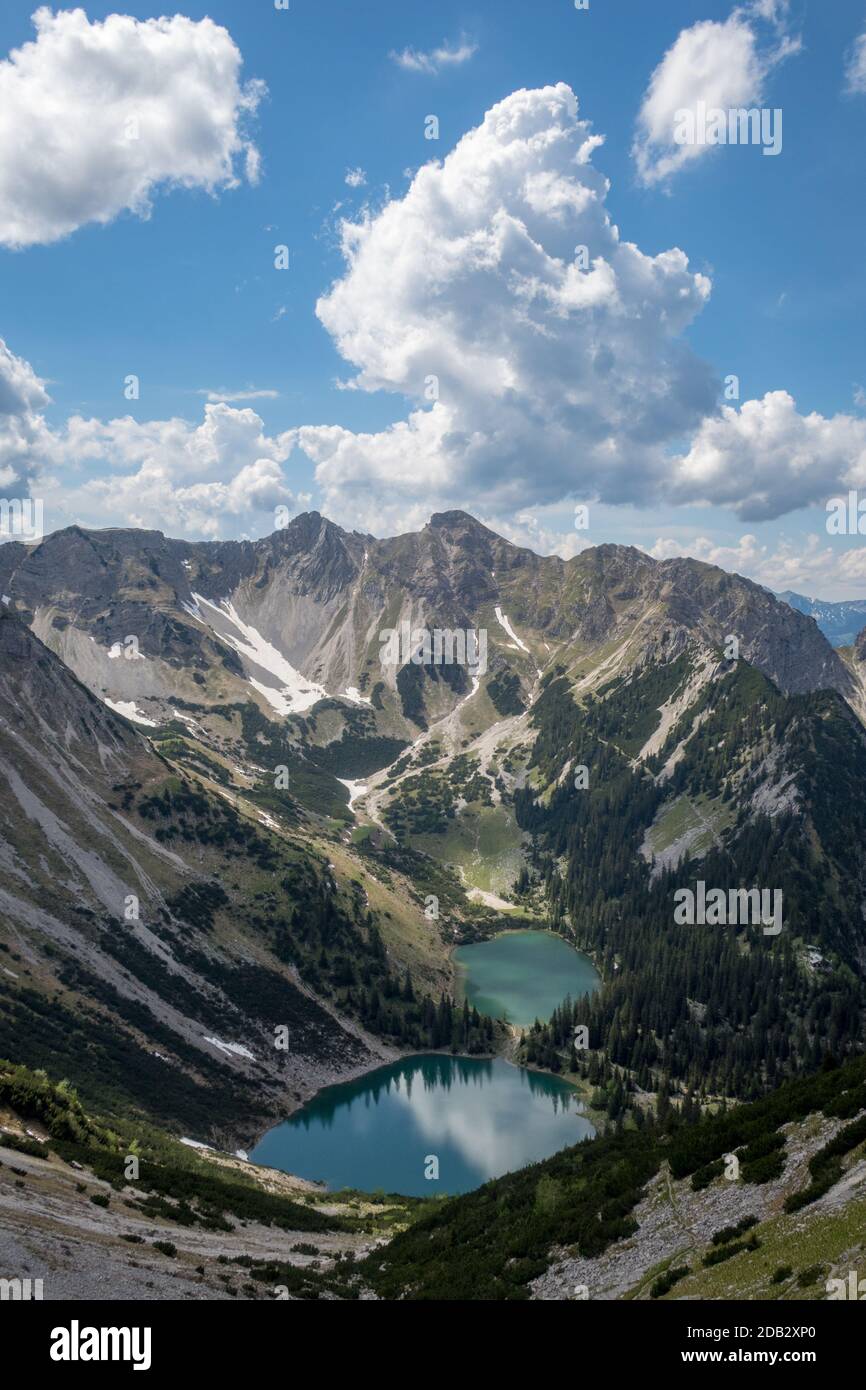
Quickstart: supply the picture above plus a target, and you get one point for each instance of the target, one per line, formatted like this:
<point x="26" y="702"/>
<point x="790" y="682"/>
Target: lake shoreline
<point x="479" y="1116"/>
<point x="501" y="994"/>
<point x="390" y="1053"/>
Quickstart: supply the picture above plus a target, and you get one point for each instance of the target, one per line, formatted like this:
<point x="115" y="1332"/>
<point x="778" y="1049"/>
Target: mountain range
<point x="241" y="687"/>
<point x="226" y="813"/>
<point x="295" y="616"/>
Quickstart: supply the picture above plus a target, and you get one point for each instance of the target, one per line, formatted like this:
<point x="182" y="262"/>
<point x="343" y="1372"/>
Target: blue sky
<point x="188" y="299"/>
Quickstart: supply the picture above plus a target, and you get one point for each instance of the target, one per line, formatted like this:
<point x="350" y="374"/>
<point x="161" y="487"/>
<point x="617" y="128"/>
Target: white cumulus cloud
<point x="541" y="353"/>
<point x="220" y="477"/>
<point x="23" y="432"/>
<point x="527" y="528"/>
<point x="214" y="478"/>
<point x="94" y="117"/>
<point x="765" y="458"/>
<point x="723" y="64"/>
<point x="808" y="565"/>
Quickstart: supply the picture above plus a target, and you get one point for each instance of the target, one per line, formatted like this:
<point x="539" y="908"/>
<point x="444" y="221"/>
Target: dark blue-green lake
<point x="523" y="975"/>
<point x="477" y="1119"/>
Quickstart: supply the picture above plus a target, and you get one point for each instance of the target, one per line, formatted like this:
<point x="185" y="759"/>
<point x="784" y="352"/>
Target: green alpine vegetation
<point x="491" y="1243"/>
<point x="720" y="1010"/>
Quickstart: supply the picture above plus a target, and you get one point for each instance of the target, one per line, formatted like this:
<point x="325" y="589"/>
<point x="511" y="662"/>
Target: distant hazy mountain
<point x="839" y="622"/>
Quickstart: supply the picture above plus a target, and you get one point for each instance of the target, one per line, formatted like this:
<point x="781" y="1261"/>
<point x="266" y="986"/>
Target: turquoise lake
<point x="523" y="975"/>
<point x="477" y="1118"/>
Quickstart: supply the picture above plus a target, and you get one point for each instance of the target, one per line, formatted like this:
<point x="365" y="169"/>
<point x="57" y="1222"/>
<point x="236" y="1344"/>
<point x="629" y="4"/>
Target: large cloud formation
<point x="543" y="358"/>
<point x="558" y="369"/>
<point x="556" y="348"/>
<point x="95" y="116"/>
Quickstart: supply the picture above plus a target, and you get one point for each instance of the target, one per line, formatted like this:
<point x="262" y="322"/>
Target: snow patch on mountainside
<point x="186" y="719"/>
<point x="235" y="1049"/>
<point x="476" y="681"/>
<point x="355" y="789"/>
<point x="130" y="710"/>
<point x="293" y="693"/>
<point x="505" y="623"/>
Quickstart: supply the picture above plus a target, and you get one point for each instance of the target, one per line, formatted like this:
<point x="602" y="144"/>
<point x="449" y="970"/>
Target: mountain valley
<point x="239" y="846"/>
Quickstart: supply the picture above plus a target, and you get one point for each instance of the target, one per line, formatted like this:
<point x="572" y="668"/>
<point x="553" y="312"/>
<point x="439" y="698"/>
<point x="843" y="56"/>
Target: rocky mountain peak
<point x="458" y="521"/>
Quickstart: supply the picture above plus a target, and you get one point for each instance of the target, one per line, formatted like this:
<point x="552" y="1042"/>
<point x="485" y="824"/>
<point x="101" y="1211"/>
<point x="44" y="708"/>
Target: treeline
<point x="420" y="1023"/>
<point x="340" y="953"/>
<point x="724" y="1009"/>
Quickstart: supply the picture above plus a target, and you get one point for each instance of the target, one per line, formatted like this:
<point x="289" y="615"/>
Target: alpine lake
<point x="445" y="1124"/>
